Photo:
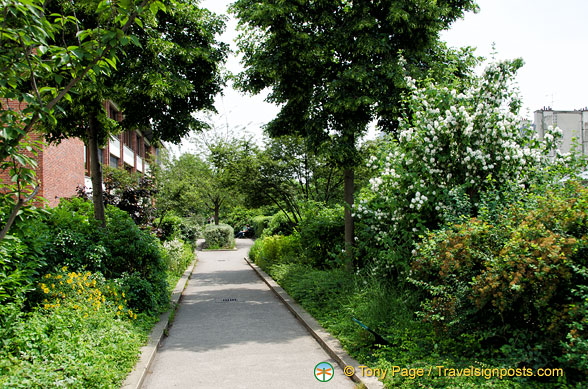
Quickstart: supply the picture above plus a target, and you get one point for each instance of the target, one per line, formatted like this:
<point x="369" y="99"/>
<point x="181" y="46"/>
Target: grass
<point x="334" y="297"/>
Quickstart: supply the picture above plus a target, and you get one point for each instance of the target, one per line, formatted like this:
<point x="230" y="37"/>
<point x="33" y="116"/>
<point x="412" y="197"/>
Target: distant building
<point x="574" y="124"/>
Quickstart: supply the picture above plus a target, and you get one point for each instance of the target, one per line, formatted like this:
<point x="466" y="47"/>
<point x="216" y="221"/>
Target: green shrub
<point x="269" y="251"/>
<point x="190" y="230"/>
<point x="519" y="283"/>
<point x="22" y="252"/>
<point x="280" y="224"/>
<point x="322" y="233"/>
<point x="116" y="251"/>
<point x="170" y="227"/>
<point x="186" y="229"/>
<point x="260" y="223"/>
<point x="219" y="237"/>
<point x="15" y="273"/>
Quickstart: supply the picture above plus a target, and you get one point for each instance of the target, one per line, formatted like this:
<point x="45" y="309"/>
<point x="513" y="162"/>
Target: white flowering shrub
<point x="178" y="255"/>
<point x="453" y="140"/>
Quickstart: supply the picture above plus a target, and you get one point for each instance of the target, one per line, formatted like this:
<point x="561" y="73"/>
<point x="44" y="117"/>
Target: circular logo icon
<point x="324" y="371"/>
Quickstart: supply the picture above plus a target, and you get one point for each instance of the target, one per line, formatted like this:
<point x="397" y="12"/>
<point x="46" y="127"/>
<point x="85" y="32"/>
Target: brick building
<point x="65" y="166"/>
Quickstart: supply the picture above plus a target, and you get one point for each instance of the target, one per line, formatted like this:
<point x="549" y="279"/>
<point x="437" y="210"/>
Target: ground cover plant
<point x="79" y="300"/>
<point x="82" y="333"/>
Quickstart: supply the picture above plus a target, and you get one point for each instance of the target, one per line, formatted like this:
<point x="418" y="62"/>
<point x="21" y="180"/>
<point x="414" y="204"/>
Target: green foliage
<point x="40" y="68"/>
<point x="116" y="251"/>
<point x="239" y="217"/>
<point x="280" y="224"/>
<point x="273" y="250"/>
<point x="176" y="180"/>
<point x="83" y="335"/>
<point x="144" y="295"/>
<point x="458" y="140"/>
<point x="184" y="228"/>
<point x="191" y="185"/>
<point x="336" y="296"/>
<point x="15" y="272"/>
<point x="518" y="280"/>
<point x="321" y="232"/>
<point x="220" y="236"/>
<point x="335" y="66"/>
<point x="259" y="224"/>
<point x="22" y="253"/>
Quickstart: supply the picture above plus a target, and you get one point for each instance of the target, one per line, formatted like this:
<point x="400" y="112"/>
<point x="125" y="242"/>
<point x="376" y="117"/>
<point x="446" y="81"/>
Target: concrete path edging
<point x="329" y="343"/>
<point x="137" y="376"/>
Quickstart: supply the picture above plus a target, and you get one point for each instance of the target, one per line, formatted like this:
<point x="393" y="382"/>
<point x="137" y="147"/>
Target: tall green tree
<point x="39" y="70"/>
<point x="336" y="65"/>
<point x="172" y="72"/>
<point x="192" y="185"/>
<point x="286" y="173"/>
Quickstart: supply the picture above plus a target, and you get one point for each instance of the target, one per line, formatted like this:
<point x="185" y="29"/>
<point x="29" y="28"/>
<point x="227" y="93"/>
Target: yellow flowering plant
<point x="85" y="291"/>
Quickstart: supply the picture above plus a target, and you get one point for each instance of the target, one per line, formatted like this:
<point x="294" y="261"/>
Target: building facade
<point x="574" y="126"/>
<point x="63" y="167"/>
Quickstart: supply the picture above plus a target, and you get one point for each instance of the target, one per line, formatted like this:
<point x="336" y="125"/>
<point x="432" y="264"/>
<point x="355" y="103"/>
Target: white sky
<point x="550" y="36"/>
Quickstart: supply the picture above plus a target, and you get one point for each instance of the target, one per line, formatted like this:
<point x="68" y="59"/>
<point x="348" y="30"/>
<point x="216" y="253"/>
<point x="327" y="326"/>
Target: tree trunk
<point x="96" y="169"/>
<point x="348" y="177"/>
<point x="216" y="211"/>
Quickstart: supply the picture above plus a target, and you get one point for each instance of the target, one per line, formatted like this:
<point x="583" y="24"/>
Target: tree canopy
<point x="336" y="65"/>
<point x="171" y="72"/>
<point x="40" y="68"/>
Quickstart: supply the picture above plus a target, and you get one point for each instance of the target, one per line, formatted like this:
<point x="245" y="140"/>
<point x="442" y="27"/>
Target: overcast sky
<point x="550" y="36"/>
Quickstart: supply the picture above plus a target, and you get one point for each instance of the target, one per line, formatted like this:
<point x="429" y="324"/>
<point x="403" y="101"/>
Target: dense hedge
<point x="260" y="223"/>
<point x="220" y="236"/>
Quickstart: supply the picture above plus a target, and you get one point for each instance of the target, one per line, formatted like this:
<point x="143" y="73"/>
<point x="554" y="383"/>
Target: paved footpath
<point x="230" y="331"/>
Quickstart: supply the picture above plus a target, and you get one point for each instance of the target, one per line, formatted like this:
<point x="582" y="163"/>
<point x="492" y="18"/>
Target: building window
<point x="113" y="161"/>
<point x="139" y="146"/>
<point x="128" y="139"/>
<point x="113" y="113"/>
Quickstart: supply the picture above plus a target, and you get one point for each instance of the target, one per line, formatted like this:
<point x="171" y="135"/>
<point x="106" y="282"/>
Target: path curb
<point x="137" y="376"/>
<point x="331" y="345"/>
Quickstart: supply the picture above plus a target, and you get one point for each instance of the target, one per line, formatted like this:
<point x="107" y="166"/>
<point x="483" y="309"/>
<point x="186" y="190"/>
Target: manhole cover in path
<point x="227" y="300"/>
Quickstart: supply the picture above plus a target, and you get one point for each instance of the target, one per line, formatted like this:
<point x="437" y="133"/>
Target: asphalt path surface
<point x="230" y="331"/>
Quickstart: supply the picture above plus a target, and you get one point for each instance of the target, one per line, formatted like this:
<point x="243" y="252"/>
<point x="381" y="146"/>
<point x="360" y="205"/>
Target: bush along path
<point x="230" y="331"/>
<point x="77" y="300"/>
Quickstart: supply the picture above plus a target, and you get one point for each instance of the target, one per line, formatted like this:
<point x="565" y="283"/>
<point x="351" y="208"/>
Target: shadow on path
<point x="230" y="331"/>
